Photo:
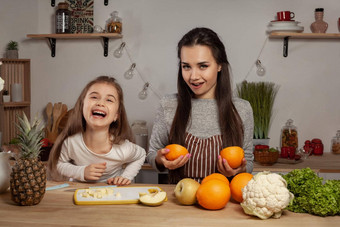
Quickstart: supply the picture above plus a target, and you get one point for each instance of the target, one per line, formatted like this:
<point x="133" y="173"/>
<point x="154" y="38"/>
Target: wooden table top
<point x="58" y="209"/>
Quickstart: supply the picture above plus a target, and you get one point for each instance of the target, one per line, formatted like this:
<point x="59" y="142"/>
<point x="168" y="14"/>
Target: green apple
<point x="153" y="199"/>
<point x="185" y="191"/>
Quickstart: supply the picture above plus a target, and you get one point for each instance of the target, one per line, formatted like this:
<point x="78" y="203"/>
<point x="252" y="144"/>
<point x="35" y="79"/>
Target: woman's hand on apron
<point x="179" y="162"/>
<point x="224" y="168"/>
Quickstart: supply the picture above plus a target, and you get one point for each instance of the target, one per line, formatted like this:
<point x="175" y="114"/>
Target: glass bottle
<point x="63" y="19"/>
<point x="319" y="26"/>
<point x="140" y="131"/>
<point x="336" y="143"/>
<point x="289" y="135"/>
<point x="114" y="24"/>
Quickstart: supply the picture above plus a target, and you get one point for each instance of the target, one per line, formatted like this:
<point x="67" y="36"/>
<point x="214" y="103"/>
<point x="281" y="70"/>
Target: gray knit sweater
<point x="202" y="124"/>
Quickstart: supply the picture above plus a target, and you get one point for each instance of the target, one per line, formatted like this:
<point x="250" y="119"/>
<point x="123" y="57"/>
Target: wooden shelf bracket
<point x="52" y="42"/>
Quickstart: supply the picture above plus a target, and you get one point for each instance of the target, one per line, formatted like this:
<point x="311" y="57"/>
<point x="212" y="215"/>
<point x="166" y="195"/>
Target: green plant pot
<point x="261" y="142"/>
<point x="12" y="54"/>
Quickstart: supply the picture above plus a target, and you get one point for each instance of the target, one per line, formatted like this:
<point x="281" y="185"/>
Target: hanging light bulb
<point x="144" y="93"/>
<point x="260" y="68"/>
<point x="119" y="51"/>
<point x="129" y="73"/>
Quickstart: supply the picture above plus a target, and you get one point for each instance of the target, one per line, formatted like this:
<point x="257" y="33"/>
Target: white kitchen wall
<point x="309" y="77"/>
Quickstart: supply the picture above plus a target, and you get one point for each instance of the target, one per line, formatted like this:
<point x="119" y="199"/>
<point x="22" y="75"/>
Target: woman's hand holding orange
<point x="94" y="171"/>
<point x="177" y="163"/>
<point x="224" y="168"/>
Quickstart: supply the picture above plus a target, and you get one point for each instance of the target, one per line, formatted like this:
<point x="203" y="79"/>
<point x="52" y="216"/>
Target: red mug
<point x="285" y="16"/>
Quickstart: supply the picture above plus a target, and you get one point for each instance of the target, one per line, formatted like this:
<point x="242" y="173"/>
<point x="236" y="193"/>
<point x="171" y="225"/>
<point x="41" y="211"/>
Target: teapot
<point x="5" y="171"/>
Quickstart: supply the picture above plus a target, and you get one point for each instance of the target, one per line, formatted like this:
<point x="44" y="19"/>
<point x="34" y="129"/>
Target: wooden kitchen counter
<point x="58" y="209"/>
<point x="326" y="163"/>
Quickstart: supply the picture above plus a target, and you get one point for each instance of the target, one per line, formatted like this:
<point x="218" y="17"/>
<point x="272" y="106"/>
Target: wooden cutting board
<point x="118" y="195"/>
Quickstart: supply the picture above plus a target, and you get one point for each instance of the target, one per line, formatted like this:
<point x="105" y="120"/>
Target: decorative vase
<point x="16" y="92"/>
<point x="12" y="54"/>
<point x="5" y="171"/>
<point x="319" y="26"/>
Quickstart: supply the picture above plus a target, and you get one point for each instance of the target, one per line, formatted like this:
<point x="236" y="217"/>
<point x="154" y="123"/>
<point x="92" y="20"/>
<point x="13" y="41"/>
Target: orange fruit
<point x="217" y="176"/>
<point x="233" y="155"/>
<point x="237" y="183"/>
<point x="176" y="151"/>
<point x="213" y="194"/>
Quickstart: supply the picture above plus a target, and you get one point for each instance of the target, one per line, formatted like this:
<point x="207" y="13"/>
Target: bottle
<point x="140" y="131"/>
<point x="289" y="135"/>
<point x="335" y="148"/>
<point x="63" y="19"/>
<point x="114" y="24"/>
<point x="319" y="26"/>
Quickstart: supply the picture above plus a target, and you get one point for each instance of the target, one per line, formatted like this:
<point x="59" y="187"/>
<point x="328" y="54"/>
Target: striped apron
<point x="203" y="160"/>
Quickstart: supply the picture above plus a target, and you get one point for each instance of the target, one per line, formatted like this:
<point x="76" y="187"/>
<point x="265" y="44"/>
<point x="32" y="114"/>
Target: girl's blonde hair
<point x="119" y="129"/>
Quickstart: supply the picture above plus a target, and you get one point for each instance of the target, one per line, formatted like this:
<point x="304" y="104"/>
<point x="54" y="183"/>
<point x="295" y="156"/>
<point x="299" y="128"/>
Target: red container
<point x="317" y="147"/>
<point x="284" y="152"/>
<point x="291" y="153"/>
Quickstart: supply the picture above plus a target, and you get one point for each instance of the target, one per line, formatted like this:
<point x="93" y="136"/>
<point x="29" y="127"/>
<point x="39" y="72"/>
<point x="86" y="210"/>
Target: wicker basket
<point x="266" y="158"/>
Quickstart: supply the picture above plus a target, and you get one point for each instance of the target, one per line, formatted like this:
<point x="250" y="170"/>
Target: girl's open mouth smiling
<point x="98" y="113"/>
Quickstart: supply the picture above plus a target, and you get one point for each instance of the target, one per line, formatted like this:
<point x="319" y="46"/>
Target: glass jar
<point x="319" y="26"/>
<point x="63" y="19"/>
<point x="140" y="131"/>
<point x="336" y="143"/>
<point x="289" y="135"/>
<point x="114" y="24"/>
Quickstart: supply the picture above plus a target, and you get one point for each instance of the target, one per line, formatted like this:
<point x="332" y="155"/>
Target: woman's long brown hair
<point x="120" y="129"/>
<point x="229" y="119"/>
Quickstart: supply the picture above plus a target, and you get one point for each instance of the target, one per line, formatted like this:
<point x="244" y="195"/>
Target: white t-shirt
<point x="75" y="156"/>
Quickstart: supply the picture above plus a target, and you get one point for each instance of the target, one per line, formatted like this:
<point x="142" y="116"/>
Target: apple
<point x="153" y="199"/>
<point x="185" y="191"/>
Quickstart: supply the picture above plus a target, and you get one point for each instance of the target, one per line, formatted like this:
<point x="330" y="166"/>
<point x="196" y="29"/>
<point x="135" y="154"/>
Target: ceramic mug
<point x="285" y="15"/>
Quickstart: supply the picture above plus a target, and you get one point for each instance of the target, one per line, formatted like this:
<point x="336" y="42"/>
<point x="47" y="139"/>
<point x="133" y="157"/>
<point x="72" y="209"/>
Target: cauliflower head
<point x="266" y="195"/>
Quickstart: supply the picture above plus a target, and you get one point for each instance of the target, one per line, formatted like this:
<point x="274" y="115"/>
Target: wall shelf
<point x="52" y="38"/>
<point x="14" y="71"/>
<point x="106" y="2"/>
<point x="287" y="35"/>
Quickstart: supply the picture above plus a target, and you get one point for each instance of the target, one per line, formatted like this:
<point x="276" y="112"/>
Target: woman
<point x="203" y="116"/>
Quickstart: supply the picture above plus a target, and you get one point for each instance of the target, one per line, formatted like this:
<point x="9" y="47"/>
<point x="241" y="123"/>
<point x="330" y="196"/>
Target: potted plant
<point x="261" y="96"/>
<point x="5" y="96"/>
<point x="12" y="50"/>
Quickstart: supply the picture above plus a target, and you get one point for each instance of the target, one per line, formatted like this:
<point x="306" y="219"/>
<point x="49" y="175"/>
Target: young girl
<point x="95" y="144"/>
<point x="203" y="116"/>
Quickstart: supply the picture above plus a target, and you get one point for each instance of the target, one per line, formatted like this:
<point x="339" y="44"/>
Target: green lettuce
<point x="311" y="195"/>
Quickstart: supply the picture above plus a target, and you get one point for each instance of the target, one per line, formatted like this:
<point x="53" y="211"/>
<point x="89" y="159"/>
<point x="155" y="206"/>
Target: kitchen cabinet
<point x="14" y="71"/>
<point x="292" y="35"/>
<point x="52" y="38"/>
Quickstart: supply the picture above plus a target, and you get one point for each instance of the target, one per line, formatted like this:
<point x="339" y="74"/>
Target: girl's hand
<point x="94" y="171"/>
<point x="224" y="168"/>
<point x="179" y="162"/>
<point x="120" y="181"/>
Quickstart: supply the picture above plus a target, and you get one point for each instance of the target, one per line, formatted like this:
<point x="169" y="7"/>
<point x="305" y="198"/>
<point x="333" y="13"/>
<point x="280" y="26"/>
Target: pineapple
<point x="28" y="177"/>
